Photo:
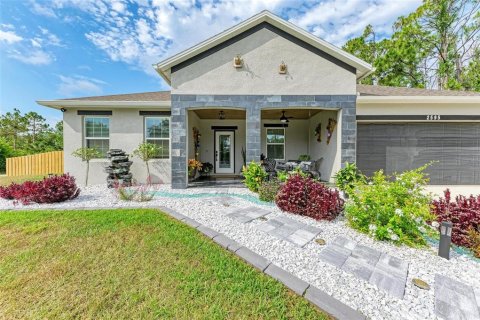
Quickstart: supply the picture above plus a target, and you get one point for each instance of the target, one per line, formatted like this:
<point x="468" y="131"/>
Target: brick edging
<point x="319" y="298"/>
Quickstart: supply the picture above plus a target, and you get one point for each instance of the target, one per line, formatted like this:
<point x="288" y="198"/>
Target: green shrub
<point x="268" y="190"/>
<point x="348" y="176"/>
<point x="391" y="208"/>
<point x="304" y="157"/>
<point x="282" y="175"/>
<point x="254" y="175"/>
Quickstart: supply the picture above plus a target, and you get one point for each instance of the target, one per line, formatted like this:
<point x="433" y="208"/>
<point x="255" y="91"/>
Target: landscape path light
<point x="445" y="239"/>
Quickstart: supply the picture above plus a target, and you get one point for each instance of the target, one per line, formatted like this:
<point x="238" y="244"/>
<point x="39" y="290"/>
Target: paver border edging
<point x="317" y="297"/>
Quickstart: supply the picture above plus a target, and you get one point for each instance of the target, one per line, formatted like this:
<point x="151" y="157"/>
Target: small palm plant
<point x="86" y="154"/>
<point x="147" y="151"/>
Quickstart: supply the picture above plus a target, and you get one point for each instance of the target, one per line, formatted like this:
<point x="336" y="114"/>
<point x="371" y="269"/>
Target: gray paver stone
<point x="254" y="259"/>
<point x="454" y="299"/>
<point x="367" y="254"/>
<point x="223" y="240"/>
<point x="332" y="306"/>
<point x="295" y="284"/>
<point x="344" y="242"/>
<point x="393" y="264"/>
<point x="298" y="240"/>
<point x="174" y="214"/>
<point x="207" y="231"/>
<point x="389" y="283"/>
<point x="283" y="231"/>
<point x="191" y="222"/>
<point x="334" y="256"/>
<point x="234" y="246"/>
<point x="358" y="267"/>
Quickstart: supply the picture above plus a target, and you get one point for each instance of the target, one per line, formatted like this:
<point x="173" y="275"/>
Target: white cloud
<point x="79" y="85"/>
<point x="148" y="31"/>
<point x="33" y="57"/>
<point x="50" y="38"/>
<point x="9" y="37"/>
<point x="42" y="10"/>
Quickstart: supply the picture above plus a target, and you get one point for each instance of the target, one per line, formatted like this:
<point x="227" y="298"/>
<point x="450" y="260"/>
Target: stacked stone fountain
<point x="119" y="168"/>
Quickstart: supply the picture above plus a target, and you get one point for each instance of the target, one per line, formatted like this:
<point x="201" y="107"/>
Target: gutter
<point x="58" y="104"/>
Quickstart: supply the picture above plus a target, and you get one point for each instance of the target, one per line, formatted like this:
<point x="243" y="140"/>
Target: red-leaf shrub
<point x="307" y="197"/>
<point x="49" y="190"/>
<point x="464" y="213"/>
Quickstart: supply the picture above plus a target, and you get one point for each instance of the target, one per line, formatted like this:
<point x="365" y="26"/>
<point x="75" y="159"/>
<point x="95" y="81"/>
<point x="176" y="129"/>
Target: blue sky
<point x="70" y="48"/>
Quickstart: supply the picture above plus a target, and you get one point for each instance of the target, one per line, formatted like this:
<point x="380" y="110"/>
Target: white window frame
<point x="169" y="133"/>
<point x="269" y="143"/>
<point x="85" y="138"/>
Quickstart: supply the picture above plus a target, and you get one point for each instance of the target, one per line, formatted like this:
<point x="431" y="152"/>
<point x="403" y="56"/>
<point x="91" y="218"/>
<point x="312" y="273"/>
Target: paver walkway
<point x="386" y="272"/>
<point x="248" y="214"/>
<point x="290" y="230"/>
<point x="456" y="300"/>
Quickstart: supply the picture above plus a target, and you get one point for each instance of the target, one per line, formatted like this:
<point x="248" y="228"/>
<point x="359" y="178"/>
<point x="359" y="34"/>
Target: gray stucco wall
<point x="309" y="71"/>
<point x="253" y="104"/>
<point x="126" y="133"/>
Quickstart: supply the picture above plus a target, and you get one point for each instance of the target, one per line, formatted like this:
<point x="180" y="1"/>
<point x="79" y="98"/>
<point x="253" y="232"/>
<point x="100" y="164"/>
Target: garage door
<point x="398" y="147"/>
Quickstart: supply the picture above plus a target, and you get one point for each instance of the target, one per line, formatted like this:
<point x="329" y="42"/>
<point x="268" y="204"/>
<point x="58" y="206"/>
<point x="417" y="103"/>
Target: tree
<point x="146" y="151"/>
<point x="6" y="151"/>
<point x="12" y="126"/>
<point x="86" y="154"/>
<point x="35" y="125"/>
<point x="435" y="46"/>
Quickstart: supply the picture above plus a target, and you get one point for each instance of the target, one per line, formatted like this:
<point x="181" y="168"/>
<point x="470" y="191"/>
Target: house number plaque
<point x="433" y="117"/>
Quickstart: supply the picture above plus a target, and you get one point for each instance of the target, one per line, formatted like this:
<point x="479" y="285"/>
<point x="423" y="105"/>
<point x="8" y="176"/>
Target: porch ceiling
<point x="275" y="114"/>
<point x="213" y="113"/>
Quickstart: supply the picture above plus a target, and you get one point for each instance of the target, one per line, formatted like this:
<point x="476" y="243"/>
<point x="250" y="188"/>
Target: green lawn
<point x="129" y="264"/>
<point x="4" y="180"/>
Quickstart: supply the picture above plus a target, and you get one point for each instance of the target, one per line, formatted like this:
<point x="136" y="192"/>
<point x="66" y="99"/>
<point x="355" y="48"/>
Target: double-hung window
<point x="97" y="134"/>
<point x="276" y="143"/>
<point x="157" y="131"/>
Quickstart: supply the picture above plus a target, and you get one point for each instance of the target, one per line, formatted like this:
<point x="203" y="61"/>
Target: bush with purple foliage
<point x="49" y="190"/>
<point x="464" y="213"/>
<point x="308" y="197"/>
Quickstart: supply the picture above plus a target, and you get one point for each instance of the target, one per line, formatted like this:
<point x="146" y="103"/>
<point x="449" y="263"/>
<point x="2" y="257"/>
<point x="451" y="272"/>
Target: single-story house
<point x="266" y="86"/>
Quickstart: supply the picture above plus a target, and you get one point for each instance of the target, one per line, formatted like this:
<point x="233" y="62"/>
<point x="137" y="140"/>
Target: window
<point x="97" y="134"/>
<point x="157" y="131"/>
<point x="276" y="143"/>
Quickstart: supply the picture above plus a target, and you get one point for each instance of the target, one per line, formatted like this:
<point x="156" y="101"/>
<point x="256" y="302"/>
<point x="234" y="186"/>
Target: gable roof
<point x="369" y="90"/>
<point x="362" y="68"/>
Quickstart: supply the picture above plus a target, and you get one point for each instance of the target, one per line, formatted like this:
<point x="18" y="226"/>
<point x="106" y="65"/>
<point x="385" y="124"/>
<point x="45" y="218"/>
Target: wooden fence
<point x="36" y="164"/>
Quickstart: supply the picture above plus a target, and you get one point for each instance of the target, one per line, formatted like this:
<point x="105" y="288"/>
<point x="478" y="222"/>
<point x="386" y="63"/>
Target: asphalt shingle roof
<point x="368" y="90"/>
<point x="363" y="90"/>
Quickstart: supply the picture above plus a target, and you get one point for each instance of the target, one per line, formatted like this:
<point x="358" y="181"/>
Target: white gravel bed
<point x="303" y="262"/>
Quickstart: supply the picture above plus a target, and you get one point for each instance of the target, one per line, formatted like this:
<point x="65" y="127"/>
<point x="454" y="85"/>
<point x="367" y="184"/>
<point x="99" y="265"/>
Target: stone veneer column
<point x="349" y="130"/>
<point x="179" y="145"/>
<point x="253" y="124"/>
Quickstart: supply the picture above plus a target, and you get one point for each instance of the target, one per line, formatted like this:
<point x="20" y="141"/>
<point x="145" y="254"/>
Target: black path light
<point x="445" y="239"/>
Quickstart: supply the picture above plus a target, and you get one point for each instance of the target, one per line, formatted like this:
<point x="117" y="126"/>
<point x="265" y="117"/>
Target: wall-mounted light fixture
<point x="282" y="69"/>
<point x="63" y="109"/>
<point x="238" y="61"/>
<point x="221" y="115"/>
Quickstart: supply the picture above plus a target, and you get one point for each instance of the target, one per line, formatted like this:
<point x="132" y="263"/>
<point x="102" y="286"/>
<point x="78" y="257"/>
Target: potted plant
<point x="193" y="166"/>
<point x="206" y="169"/>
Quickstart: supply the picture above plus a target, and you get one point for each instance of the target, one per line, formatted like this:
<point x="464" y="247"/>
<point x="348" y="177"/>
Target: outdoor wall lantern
<point x="238" y="61"/>
<point x="445" y="239"/>
<point x="282" y="68"/>
<point x="221" y="115"/>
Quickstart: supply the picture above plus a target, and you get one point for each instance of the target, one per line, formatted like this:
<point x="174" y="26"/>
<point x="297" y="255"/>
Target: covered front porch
<point x="217" y="137"/>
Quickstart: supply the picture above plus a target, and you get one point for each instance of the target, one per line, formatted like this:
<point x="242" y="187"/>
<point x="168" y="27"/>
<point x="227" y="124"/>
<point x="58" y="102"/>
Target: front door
<point x="224" y="152"/>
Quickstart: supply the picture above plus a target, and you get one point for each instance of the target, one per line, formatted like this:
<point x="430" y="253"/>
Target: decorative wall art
<point x="318" y="132"/>
<point x="332" y="123"/>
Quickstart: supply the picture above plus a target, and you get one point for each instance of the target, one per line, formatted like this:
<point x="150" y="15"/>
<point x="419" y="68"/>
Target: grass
<point x="5" y="180"/>
<point x="129" y="264"/>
